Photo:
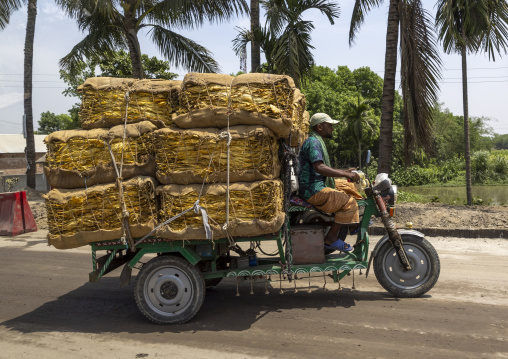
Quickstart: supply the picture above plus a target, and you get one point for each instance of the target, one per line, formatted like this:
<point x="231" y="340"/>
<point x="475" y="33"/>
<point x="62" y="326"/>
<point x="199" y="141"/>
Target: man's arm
<point x="326" y="171"/>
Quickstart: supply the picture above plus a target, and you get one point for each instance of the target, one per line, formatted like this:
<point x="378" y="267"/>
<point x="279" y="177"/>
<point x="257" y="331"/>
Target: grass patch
<point x="403" y="197"/>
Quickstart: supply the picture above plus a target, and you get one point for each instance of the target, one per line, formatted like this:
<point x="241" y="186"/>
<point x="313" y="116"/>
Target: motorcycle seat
<point x="298" y="201"/>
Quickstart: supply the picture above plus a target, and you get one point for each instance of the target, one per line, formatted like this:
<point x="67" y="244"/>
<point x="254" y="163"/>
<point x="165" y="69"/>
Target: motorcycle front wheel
<point x="424" y="273"/>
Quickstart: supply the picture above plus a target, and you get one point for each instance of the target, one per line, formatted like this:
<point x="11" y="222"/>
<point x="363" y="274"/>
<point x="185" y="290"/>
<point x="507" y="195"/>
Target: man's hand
<point x="324" y="170"/>
<point x="352" y="176"/>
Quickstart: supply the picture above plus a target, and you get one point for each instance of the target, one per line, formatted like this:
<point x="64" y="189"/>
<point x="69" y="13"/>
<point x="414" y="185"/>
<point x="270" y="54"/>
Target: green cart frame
<point x="170" y="288"/>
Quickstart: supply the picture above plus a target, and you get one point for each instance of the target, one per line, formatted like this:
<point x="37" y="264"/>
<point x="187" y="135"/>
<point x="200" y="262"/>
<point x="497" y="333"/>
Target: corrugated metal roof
<point x="16" y="143"/>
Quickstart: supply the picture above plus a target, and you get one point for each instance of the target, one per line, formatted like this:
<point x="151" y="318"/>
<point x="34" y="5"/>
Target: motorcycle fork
<point x="393" y="234"/>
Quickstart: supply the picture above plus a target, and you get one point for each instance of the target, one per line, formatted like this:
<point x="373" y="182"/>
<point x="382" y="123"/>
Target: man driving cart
<point x="318" y="186"/>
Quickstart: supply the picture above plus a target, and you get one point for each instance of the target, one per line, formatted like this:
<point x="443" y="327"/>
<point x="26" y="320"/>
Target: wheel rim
<point x="168" y="290"/>
<point x="420" y="267"/>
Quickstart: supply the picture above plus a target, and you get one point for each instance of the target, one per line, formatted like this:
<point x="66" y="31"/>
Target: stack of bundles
<point x="106" y="100"/>
<point x="256" y="208"/>
<point x="188" y="156"/>
<point x="81" y="158"/>
<point x="80" y="216"/>
<point x="300" y="120"/>
<point x="210" y="100"/>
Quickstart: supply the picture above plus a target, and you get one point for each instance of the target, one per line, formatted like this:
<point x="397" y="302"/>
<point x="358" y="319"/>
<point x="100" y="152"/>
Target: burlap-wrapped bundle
<point x="81" y="216"/>
<point x="81" y="158"/>
<point x="300" y="130"/>
<point x="256" y="208"/>
<point x="249" y="99"/>
<point x="188" y="156"/>
<point x="106" y="100"/>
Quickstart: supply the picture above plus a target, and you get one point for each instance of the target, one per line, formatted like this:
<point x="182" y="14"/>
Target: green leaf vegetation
<point x="339" y="91"/>
<point x="344" y="95"/>
<point x="50" y="122"/>
<point x="286" y="38"/>
<point x="115" y="25"/>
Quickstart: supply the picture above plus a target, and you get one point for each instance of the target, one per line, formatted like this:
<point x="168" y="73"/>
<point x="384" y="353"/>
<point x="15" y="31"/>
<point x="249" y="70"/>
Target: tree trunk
<point x="131" y="33"/>
<point x="386" y="128"/>
<point x="255" y="54"/>
<point x="359" y="155"/>
<point x="27" y="103"/>
<point x="467" y="154"/>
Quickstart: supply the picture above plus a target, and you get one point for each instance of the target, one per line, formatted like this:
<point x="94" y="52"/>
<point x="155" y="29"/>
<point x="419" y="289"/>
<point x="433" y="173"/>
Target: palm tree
<point x="420" y="72"/>
<point x="267" y="43"/>
<point x="293" y="54"/>
<point x="360" y="119"/>
<point x="255" y="53"/>
<point x="472" y="25"/>
<point x="6" y="9"/>
<point x="115" y="24"/>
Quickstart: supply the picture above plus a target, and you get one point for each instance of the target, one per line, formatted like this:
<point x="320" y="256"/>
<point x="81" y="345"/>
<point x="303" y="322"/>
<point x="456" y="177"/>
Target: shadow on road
<point x="103" y="307"/>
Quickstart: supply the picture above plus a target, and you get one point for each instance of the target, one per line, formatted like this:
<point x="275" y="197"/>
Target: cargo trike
<point x="170" y="288"/>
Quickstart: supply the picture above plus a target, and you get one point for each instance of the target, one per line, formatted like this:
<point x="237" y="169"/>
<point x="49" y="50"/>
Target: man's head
<point x="321" y="123"/>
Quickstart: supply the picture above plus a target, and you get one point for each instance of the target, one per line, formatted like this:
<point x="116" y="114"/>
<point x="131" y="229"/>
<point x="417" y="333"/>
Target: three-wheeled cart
<point x="170" y="288"/>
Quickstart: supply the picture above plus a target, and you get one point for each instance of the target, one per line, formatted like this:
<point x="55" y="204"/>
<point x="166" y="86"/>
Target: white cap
<point x="318" y="118"/>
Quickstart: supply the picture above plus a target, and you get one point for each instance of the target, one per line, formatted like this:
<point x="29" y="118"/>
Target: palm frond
<point x="361" y="8"/>
<point x="266" y="40"/>
<point x="495" y="35"/>
<point x="182" y="51"/>
<point x="461" y="23"/>
<point x="277" y="14"/>
<point x="188" y="14"/>
<point x="7" y="7"/>
<point x="292" y="54"/>
<point x="328" y="8"/>
<point x="241" y="40"/>
<point x="94" y="45"/>
<point x="80" y="9"/>
<point x="420" y="73"/>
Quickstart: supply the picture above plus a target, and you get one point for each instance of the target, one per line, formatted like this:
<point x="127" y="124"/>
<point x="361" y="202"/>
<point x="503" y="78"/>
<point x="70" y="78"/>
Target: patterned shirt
<point x="310" y="181"/>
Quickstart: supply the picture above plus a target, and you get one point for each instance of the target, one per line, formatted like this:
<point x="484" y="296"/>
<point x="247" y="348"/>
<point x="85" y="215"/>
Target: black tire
<point x="212" y="282"/>
<point x="169" y="290"/>
<point x="424" y="273"/>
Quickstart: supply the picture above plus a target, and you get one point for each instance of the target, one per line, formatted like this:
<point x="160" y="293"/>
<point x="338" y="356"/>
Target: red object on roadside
<point x="15" y="214"/>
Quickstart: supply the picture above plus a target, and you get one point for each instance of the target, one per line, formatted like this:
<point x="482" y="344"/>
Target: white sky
<point x="56" y="34"/>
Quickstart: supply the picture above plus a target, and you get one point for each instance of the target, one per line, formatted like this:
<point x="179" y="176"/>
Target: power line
<point x="480" y="77"/>
<point x="459" y="82"/>
<point x="11" y="126"/>
<point x="478" y="68"/>
<point x="13" y="123"/>
<point x="32" y="75"/>
<point x="469" y="69"/>
<point x="471" y="82"/>
<point x="34" y="87"/>
<point x="32" y="81"/>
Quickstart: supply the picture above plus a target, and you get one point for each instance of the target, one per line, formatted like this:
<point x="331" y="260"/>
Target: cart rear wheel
<point x="169" y="290"/>
<point x="424" y="273"/>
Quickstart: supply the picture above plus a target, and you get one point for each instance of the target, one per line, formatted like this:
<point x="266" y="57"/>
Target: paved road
<point x="49" y="310"/>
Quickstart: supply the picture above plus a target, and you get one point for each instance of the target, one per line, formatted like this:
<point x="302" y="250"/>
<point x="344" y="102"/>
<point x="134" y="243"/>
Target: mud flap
<point x="125" y="277"/>
<point x="368" y="265"/>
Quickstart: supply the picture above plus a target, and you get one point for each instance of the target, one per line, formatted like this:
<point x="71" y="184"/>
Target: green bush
<point x="480" y="170"/>
<point x="450" y="170"/>
<point x="499" y="165"/>
<point x="415" y="176"/>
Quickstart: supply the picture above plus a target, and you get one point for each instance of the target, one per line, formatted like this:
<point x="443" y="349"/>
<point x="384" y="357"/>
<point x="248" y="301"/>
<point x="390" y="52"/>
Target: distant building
<point x="12" y="154"/>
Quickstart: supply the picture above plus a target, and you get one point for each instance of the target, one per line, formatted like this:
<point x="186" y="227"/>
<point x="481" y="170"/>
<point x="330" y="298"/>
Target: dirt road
<point x="49" y="310"/>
